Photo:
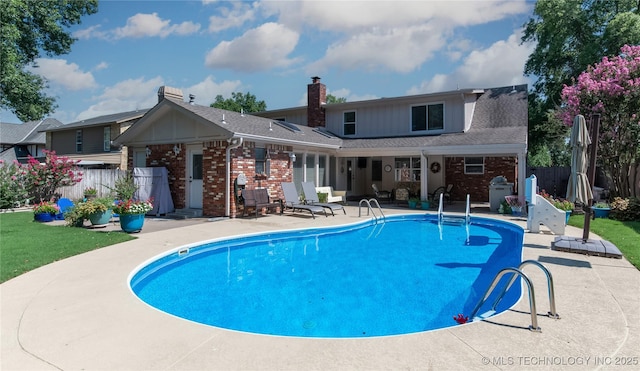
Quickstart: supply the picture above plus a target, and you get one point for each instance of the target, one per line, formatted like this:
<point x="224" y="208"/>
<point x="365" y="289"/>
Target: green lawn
<point x="27" y="245"/>
<point x="625" y="235"/>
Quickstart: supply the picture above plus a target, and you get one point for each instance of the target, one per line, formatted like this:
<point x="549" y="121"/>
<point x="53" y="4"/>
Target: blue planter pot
<point x="412" y="204"/>
<point x="568" y="215"/>
<point x="131" y="223"/>
<point x="100" y="218"/>
<point x="43" y="217"/>
<point x="424" y="205"/>
<point x="601" y="212"/>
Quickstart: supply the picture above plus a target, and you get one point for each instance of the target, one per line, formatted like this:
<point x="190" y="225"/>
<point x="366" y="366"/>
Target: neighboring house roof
<point x="114" y="118"/>
<point x="499" y="121"/>
<point x="27" y="133"/>
<point x="228" y="124"/>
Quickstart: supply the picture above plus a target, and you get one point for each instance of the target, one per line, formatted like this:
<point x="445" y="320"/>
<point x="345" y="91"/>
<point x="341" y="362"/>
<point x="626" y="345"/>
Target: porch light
<point x="176" y="149"/>
<point x="147" y="150"/>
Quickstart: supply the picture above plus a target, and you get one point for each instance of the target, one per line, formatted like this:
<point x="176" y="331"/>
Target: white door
<point x="194" y="176"/>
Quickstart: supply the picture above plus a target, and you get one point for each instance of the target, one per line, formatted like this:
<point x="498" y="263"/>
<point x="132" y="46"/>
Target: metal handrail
<point x="532" y="297"/>
<point x="369" y="208"/>
<point x="552" y="297"/>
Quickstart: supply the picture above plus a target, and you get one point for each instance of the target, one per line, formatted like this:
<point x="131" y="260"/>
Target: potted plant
<point x="90" y="193"/>
<point x="74" y="217"/>
<point x="97" y="210"/>
<point x="504" y="208"/>
<point x="601" y="210"/>
<point x="413" y="202"/>
<point x="132" y="214"/>
<point x="515" y="204"/>
<point x="425" y="204"/>
<point x="45" y="211"/>
<point x="565" y="205"/>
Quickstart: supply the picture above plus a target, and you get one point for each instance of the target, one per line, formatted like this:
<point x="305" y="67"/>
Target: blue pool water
<point x="406" y="275"/>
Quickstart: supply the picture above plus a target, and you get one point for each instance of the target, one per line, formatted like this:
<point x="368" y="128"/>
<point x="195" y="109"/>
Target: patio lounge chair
<point x="311" y="198"/>
<point x="258" y="199"/>
<point x="291" y="200"/>
<point x="382" y="195"/>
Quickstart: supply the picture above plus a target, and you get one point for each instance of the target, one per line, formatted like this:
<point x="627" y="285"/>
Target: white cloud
<point x="206" y="90"/>
<point x="126" y="95"/>
<point x="258" y="49"/>
<point x="399" y="49"/>
<point x="501" y="64"/>
<point x="101" y="66"/>
<point x="90" y="32"/>
<point x="232" y="17"/>
<point x="67" y="75"/>
<point x="150" y="25"/>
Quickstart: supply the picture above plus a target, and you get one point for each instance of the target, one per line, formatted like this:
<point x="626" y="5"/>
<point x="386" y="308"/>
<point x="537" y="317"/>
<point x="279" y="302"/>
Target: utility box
<point x="498" y="188"/>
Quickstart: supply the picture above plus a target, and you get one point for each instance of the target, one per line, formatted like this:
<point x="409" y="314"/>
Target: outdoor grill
<point x="498" y="188"/>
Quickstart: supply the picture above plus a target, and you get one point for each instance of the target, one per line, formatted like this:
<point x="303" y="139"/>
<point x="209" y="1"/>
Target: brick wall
<point x="477" y="186"/>
<point x="163" y="155"/>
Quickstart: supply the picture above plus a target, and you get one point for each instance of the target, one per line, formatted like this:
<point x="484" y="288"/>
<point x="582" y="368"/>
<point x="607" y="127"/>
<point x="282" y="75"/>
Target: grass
<point x="625" y="235"/>
<point x="26" y="245"/>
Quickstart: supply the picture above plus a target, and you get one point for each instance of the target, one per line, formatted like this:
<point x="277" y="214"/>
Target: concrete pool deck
<point x="79" y="313"/>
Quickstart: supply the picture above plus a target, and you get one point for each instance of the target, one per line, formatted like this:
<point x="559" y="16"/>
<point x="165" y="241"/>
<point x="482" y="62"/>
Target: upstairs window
<point x="427" y="117"/>
<point x="79" y="141"/>
<point x="474" y="165"/>
<point x="349" y="123"/>
<point x="106" y="138"/>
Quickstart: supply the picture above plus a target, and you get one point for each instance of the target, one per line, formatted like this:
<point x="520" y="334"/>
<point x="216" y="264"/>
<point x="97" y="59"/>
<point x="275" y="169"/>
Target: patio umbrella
<point x="578" y="188"/>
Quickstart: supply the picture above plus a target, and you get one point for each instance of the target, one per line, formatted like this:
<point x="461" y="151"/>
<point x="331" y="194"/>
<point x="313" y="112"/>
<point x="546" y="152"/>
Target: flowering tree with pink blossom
<point x="612" y="89"/>
<point x="43" y="179"/>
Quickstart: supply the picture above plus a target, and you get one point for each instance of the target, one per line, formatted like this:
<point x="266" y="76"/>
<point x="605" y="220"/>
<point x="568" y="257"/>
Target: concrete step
<point x="185" y="214"/>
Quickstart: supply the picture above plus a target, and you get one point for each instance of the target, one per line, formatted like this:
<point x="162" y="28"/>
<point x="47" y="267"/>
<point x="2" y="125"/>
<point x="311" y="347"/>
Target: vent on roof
<point x="325" y="132"/>
<point x="288" y="126"/>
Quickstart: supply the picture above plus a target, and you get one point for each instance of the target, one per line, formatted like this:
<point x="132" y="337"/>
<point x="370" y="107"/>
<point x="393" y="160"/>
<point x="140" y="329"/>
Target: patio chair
<point x="446" y="193"/>
<point x="311" y="198"/>
<point x="292" y="201"/>
<point x="258" y="199"/>
<point x="382" y="195"/>
<point x="64" y="204"/>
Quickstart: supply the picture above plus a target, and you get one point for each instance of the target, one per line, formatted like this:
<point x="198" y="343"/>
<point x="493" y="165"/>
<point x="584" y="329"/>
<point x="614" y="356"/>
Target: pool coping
<point x="79" y="313"/>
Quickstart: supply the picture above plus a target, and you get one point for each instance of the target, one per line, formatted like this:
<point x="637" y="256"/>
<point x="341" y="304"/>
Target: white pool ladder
<point x="532" y="299"/>
<point x="454" y="219"/>
<point x="370" y="208"/>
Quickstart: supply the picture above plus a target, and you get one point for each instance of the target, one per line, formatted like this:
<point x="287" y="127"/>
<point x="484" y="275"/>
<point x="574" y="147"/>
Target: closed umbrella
<point x="578" y="187"/>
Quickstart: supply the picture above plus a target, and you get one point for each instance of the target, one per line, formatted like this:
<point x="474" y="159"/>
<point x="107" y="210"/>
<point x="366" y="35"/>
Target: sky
<point x="361" y="50"/>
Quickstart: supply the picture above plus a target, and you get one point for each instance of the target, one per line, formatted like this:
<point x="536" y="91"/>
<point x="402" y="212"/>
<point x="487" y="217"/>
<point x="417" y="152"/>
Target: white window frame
<point x="415" y="170"/>
<point x="426" y="109"/>
<point x="345" y="122"/>
<point x="473" y="168"/>
<point x="264" y="161"/>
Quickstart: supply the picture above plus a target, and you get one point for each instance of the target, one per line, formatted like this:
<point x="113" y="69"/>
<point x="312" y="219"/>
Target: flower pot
<point x="131" y="223"/>
<point x="413" y="204"/>
<point x="43" y="217"/>
<point x="568" y="215"/>
<point x="424" y="205"/>
<point x="601" y="212"/>
<point x="100" y="218"/>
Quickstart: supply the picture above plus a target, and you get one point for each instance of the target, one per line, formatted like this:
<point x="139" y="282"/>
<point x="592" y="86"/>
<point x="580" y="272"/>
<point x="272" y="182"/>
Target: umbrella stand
<point x="591" y="174"/>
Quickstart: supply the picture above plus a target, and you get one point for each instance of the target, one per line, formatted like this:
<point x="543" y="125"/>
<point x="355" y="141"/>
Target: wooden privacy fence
<point x="100" y="179"/>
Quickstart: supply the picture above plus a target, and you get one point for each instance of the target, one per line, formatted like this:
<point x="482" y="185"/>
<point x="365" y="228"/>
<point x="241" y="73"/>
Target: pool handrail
<point x="370" y="208"/>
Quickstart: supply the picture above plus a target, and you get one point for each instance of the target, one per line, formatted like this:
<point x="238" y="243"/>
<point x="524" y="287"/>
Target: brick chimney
<point x="169" y="92"/>
<point x="316" y="98"/>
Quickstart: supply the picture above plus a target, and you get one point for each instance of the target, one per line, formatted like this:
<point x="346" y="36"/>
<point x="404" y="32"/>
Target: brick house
<point x="420" y="142"/>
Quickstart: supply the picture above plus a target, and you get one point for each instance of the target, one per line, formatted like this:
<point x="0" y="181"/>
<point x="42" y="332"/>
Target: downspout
<point x="234" y="143"/>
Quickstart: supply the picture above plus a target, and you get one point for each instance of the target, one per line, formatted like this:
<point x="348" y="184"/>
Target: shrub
<point x="12" y="185"/>
<point x="625" y="209"/>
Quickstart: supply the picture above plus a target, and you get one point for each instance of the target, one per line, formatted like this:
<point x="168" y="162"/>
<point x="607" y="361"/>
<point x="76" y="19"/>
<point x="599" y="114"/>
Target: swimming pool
<point x="408" y="274"/>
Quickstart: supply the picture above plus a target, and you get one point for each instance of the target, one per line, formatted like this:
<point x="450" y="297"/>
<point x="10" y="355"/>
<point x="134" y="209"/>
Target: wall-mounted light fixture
<point x="176" y="149"/>
<point x="147" y="150"/>
<point x="292" y="156"/>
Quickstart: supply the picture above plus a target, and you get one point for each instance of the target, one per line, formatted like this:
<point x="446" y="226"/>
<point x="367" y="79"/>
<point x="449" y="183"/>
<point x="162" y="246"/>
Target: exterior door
<point x="194" y="175"/>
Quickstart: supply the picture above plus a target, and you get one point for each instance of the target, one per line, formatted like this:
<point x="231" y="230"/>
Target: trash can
<point x="498" y="188"/>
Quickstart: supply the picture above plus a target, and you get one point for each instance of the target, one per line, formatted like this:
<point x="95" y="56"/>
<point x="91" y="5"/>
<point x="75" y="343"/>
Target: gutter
<point x="234" y="143"/>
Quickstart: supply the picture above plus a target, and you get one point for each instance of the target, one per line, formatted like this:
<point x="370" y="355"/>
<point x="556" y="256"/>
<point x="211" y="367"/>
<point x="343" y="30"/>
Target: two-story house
<point x="462" y="137"/>
<point x="19" y="141"/>
<point x="90" y="141"/>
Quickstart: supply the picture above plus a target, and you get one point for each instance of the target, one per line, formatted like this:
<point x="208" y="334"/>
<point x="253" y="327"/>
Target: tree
<point x="333" y="99"/>
<point x="240" y="103"/>
<point x="571" y="35"/>
<point x="612" y="89"/>
<point x="29" y="28"/>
